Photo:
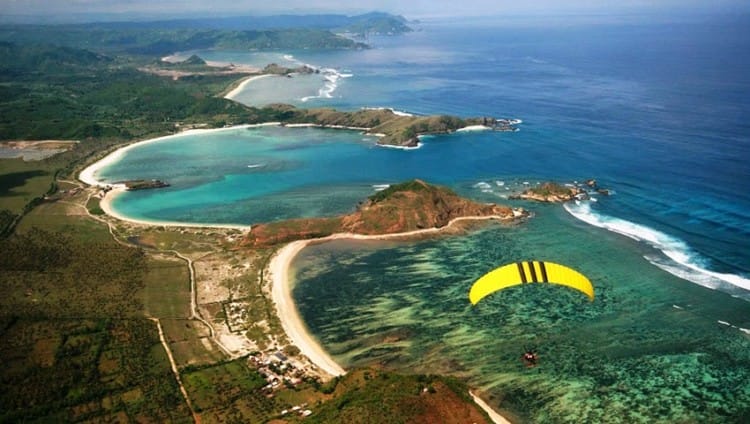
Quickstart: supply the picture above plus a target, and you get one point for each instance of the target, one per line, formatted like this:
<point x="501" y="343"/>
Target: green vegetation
<point x="94" y="207"/>
<point x="550" y="189"/>
<point x="190" y="342"/>
<point x="137" y="40"/>
<point x="167" y="289"/>
<point x="398" y="130"/>
<point x="73" y="343"/>
<point x="54" y="275"/>
<point x="85" y="369"/>
<point x="410" y="186"/>
<point x="229" y="391"/>
<point x="83" y="96"/>
<point x="369" y="396"/>
<point x="377" y="23"/>
<point x="23" y="182"/>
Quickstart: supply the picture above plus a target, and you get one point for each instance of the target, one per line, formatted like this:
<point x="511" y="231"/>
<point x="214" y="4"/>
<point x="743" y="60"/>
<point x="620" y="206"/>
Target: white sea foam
<point x="680" y="260"/>
<point x="499" y="183"/>
<point x="482" y="185"/>
<point x="394" y="111"/>
<point x="724" y="323"/>
<point x="331" y="79"/>
<point x="474" y="128"/>
<point x="256" y="165"/>
<point x="380" y="187"/>
<point x="390" y="146"/>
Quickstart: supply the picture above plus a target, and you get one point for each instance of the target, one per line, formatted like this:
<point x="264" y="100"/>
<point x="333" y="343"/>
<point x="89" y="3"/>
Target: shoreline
<point x="241" y="86"/>
<point x="117" y="189"/>
<point x="281" y="293"/>
<point x="87" y="174"/>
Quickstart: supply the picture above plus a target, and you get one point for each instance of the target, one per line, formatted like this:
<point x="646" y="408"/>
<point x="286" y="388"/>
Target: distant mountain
<point x="376" y="23"/>
<point x="379" y="22"/>
<point x="16" y="59"/>
<point x="135" y="39"/>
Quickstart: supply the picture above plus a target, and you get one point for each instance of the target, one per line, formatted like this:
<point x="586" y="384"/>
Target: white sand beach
<point x="494" y="416"/>
<point x="232" y="94"/>
<point x="118" y="189"/>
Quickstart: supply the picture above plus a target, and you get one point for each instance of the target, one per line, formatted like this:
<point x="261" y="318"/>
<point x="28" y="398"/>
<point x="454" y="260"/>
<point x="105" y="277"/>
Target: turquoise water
<point x="662" y="124"/>
<point x="650" y="348"/>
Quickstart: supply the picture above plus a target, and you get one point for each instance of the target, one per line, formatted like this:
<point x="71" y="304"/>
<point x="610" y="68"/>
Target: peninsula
<point x="395" y="129"/>
<point x="409" y="207"/>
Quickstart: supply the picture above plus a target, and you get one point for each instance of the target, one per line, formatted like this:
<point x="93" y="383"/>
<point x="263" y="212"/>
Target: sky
<point x="60" y="9"/>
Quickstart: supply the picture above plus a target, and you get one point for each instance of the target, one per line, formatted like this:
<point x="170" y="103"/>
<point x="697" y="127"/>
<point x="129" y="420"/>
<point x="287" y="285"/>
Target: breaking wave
<point x="678" y="258"/>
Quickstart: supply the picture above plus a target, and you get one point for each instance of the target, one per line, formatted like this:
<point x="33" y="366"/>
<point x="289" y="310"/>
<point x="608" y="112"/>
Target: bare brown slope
<point x="404" y="207"/>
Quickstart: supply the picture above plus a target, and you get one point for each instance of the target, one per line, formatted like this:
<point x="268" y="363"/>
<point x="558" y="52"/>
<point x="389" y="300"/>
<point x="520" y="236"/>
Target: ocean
<point x="654" y="108"/>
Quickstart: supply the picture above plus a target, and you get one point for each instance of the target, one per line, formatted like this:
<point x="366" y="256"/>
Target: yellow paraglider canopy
<point x="528" y="272"/>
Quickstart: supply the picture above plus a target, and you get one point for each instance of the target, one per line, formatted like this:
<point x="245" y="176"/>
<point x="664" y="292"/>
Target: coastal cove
<point x="667" y="248"/>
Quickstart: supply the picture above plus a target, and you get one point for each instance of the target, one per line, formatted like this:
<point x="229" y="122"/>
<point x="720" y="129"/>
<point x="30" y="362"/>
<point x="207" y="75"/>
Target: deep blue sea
<point x="657" y="110"/>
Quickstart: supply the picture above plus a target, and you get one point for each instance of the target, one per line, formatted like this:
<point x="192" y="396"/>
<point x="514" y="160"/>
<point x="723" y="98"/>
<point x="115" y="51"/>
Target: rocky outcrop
<point x="550" y="192"/>
<point x="415" y="205"/>
<point x="133" y="185"/>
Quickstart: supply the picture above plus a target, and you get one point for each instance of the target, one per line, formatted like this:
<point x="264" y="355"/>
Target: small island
<point x="133" y="185"/>
<point x="553" y="192"/>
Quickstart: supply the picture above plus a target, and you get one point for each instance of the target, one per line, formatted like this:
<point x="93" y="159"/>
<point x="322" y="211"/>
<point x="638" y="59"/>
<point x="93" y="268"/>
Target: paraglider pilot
<point x="530" y="357"/>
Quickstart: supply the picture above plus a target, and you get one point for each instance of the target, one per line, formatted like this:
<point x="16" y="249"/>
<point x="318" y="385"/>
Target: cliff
<point x="404" y="207"/>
